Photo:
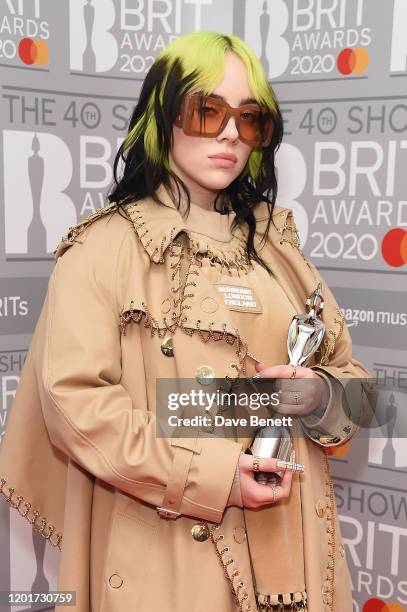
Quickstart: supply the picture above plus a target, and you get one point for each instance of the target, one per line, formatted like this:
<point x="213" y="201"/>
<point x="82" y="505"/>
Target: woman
<point x="141" y="293"/>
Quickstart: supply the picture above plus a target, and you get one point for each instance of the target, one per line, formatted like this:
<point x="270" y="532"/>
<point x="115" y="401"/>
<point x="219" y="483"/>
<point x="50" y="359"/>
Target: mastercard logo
<point x="394" y="247"/>
<point x="352" y="61"/>
<point x="377" y="605"/>
<point x="33" y="51"/>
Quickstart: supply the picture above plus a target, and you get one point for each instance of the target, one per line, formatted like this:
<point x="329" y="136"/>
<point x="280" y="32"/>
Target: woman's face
<point x="190" y="156"/>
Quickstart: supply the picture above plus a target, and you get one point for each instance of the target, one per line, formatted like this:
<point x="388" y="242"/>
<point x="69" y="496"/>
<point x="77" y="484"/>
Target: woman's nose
<point x="230" y="130"/>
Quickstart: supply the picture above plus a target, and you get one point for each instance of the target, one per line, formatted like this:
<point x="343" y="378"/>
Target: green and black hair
<point x="195" y="61"/>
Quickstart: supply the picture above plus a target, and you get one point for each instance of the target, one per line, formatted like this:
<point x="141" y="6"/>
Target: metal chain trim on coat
<point x="44" y="524"/>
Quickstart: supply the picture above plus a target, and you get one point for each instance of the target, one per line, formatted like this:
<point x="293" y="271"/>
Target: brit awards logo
<point x="346" y="171"/>
<point x="123" y="38"/>
<point x="304" y="39"/>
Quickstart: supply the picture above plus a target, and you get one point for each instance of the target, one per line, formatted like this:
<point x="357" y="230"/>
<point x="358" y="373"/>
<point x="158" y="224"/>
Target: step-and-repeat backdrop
<point x="71" y="74"/>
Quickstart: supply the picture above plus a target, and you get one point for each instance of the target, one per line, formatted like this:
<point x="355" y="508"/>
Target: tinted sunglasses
<point x="207" y="117"/>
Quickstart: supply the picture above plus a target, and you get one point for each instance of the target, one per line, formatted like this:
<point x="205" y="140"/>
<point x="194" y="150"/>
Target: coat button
<point x="209" y="305"/>
<point x="233" y="370"/>
<point x="239" y="534"/>
<point x="200" y="532"/>
<point x="115" y="581"/>
<point x="205" y="374"/>
<point x="167" y="347"/>
<point x="320" y="508"/>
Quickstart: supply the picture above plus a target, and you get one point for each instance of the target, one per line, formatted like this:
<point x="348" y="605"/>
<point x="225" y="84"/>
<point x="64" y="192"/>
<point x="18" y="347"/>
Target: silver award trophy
<point x="304" y="337"/>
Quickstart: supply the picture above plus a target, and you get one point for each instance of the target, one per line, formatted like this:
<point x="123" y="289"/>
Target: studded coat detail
<point x="143" y="522"/>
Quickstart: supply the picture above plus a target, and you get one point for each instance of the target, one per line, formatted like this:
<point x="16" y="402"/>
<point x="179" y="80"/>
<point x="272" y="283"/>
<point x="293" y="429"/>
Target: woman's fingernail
<point x="290" y="465"/>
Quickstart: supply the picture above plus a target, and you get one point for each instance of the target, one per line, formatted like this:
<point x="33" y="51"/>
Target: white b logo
<point x="398" y="61"/>
<point x="265" y="24"/>
<point x="93" y="48"/>
<point x="292" y="176"/>
<point x="37" y="171"/>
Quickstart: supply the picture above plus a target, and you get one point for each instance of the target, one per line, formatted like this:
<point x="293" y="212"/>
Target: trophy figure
<point x="304" y="337"/>
<point x="306" y="331"/>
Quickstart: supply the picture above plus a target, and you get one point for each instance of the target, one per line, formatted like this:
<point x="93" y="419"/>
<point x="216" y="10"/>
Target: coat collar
<point x="157" y="225"/>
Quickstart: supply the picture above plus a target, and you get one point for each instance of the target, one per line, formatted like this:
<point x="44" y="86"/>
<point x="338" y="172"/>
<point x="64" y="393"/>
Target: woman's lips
<point x="223" y="162"/>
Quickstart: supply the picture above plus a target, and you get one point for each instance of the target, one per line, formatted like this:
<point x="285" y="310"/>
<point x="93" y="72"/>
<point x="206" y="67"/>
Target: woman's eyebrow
<point x="245" y="101"/>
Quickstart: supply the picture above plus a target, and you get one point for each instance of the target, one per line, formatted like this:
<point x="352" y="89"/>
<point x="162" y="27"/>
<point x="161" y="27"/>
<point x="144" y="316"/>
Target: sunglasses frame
<point x="186" y="109"/>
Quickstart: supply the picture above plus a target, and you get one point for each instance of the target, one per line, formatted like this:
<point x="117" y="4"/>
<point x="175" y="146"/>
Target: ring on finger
<point x="274" y="490"/>
<point x="256" y="464"/>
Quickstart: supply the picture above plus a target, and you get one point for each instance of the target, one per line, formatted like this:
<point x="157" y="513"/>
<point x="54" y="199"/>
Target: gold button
<point x="320" y="508"/>
<point x="342" y="550"/>
<point x="167" y="347"/>
<point x="115" y="581"/>
<point x="200" y="532"/>
<point x="205" y="374"/>
<point x="239" y="534"/>
<point x="234" y="369"/>
<point x="209" y="304"/>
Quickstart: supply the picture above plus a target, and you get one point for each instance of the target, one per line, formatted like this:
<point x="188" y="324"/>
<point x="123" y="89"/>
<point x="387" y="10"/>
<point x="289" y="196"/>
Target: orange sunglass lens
<point x="254" y="124"/>
<point x="206" y="117"/>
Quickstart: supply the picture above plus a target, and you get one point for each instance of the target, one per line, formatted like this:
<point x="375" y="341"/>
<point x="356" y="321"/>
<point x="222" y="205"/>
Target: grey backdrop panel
<point x="339" y="69"/>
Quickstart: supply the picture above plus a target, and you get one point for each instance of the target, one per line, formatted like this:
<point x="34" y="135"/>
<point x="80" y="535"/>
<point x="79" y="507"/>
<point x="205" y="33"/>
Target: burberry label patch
<point x="239" y="298"/>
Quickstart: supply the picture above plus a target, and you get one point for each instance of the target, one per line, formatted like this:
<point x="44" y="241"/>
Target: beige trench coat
<point x="91" y="479"/>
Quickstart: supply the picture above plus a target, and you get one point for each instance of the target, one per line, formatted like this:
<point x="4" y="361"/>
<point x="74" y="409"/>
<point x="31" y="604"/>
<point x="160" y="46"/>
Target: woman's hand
<point x="255" y="494"/>
<point x="296" y="399"/>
